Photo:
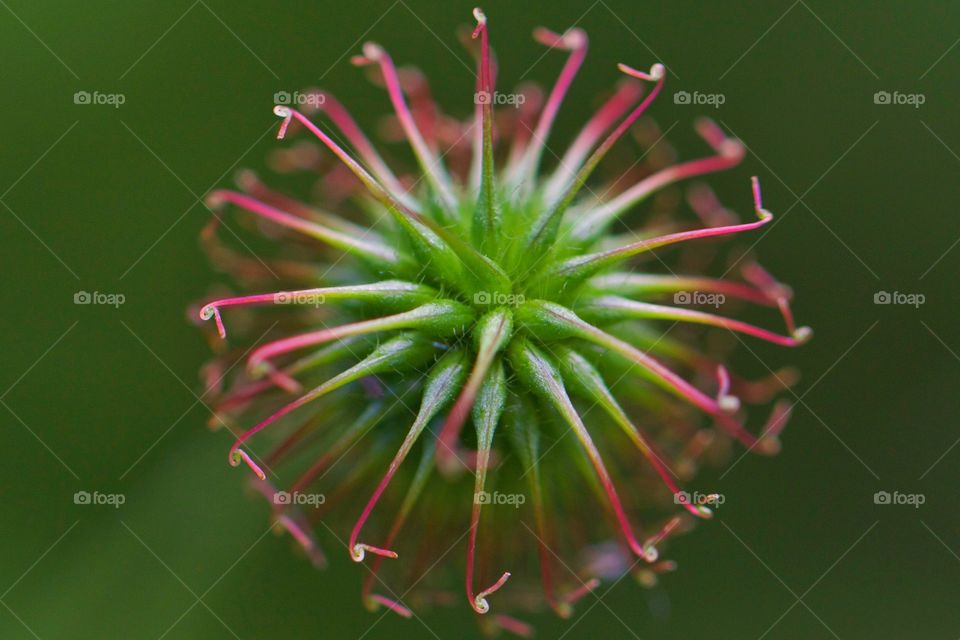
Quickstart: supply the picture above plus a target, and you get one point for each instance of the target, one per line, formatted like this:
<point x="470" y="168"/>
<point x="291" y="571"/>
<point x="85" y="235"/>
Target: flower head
<point x="475" y="363"/>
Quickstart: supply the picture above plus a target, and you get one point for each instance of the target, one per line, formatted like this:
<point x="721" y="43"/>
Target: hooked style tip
<point x="803" y="335"/>
<point x="728" y="403"/>
<point x="657" y="72"/>
<point x="359" y="552"/>
<point x="211" y="311"/>
<point x="726" y="146"/>
<point x="480" y="604"/>
<point x="481" y="19"/>
<point x="372" y="53"/>
<point x="650" y="553"/>
<point x="287" y="114"/>
<point x="237" y="456"/>
<point x="215" y="200"/>
<point x="570" y="39"/>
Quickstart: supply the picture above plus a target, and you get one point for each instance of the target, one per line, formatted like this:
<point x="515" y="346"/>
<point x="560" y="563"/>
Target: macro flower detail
<point x="469" y="372"/>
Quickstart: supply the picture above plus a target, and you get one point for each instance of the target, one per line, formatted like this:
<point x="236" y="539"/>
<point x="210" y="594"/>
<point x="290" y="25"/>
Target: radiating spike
<point x="729" y="153"/>
<point x="492" y="333"/>
<point x="540" y="375"/>
<point x="486" y="417"/>
<point x="585" y="266"/>
<point x="443" y="381"/>
<point x="403" y="351"/>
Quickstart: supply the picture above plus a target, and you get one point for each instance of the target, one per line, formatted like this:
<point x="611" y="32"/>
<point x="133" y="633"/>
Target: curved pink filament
<point x="627" y="93"/>
<point x="245" y="393"/>
<point x="554" y="215"/>
<point x="479" y="601"/>
<point x="486" y="81"/>
<point x="388" y="199"/>
<point x="666" y="476"/>
<point x="663" y="312"/>
<point x="364" y="148"/>
<point x="633" y="283"/>
<point x="598" y="260"/>
<point x="658" y="74"/>
<point x="430" y="163"/>
<point x="281" y="379"/>
<point x="729" y="153"/>
<point x="728" y="402"/>
<point x="575" y="41"/>
<point x="334" y="238"/>
<point x="604" y="476"/>
<point x="235" y="450"/>
<point x="249" y="182"/>
<point x="523" y="127"/>
<point x="239" y="455"/>
<point x="368" y="366"/>
<point x="260" y="356"/>
<point x="212" y="309"/>
<point x="357" y="549"/>
<point x="763" y="280"/>
<point x="398" y="522"/>
<point x="665" y="378"/>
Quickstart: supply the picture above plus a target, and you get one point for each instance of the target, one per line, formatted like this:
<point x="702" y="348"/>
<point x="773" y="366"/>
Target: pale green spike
<point x="489" y="406"/>
<point x="491" y="334"/>
<point x="442" y="384"/>
<point x="541" y="376"/>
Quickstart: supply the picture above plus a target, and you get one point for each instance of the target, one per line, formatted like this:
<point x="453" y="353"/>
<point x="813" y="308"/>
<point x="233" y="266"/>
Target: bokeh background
<point x="96" y="398"/>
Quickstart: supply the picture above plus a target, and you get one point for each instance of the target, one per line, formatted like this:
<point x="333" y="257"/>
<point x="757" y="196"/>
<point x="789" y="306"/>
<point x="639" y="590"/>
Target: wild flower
<point x="479" y="363"/>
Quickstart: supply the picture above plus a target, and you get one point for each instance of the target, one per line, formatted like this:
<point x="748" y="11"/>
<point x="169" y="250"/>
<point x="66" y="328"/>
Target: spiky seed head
<point x="477" y="346"/>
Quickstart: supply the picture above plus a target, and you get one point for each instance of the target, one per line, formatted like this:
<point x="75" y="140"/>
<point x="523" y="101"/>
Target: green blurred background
<point x="102" y="399"/>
